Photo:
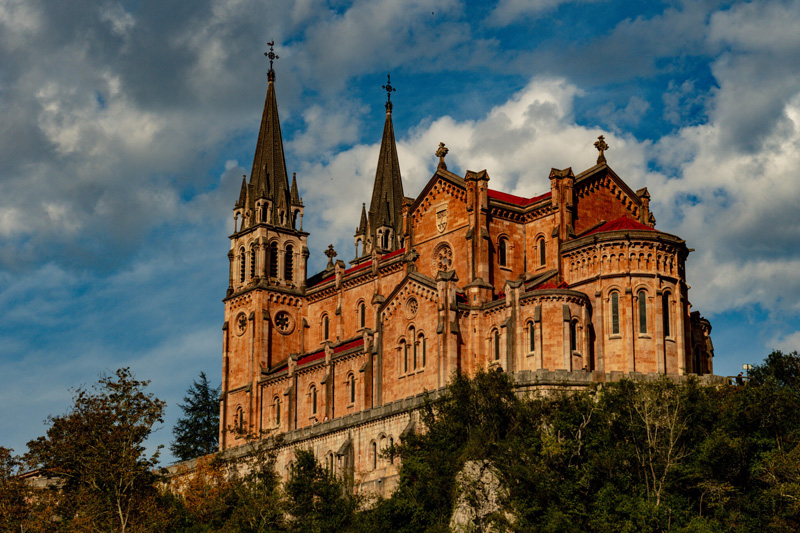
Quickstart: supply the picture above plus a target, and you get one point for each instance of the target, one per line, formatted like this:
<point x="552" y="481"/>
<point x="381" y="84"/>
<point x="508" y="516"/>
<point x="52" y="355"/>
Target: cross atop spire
<point x="389" y="90"/>
<point x="272" y="57"/>
<point x="601" y="146"/>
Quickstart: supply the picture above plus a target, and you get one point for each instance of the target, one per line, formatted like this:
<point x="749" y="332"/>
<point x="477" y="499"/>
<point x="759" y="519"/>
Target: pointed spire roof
<point x="242" y="194"/>
<point x="362" y="225"/>
<point x="387" y="192"/>
<point x="268" y="176"/>
<point x="296" y="200"/>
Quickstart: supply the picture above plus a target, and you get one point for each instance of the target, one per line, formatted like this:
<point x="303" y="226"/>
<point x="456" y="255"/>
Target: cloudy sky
<point x="126" y="128"/>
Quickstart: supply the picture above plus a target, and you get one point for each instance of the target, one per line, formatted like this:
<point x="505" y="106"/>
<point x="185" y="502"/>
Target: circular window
<point x="411" y="307"/>
<point x="241" y="324"/>
<point x="284" y="322"/>
<point x="443" y="258"/>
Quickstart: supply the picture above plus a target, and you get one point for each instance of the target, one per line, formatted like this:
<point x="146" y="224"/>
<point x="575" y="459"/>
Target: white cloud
<point x="786" y="343"/>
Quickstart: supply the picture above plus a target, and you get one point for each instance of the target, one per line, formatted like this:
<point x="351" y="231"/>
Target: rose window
<point x="443" y="258"/>
<point x="283" y="322"/>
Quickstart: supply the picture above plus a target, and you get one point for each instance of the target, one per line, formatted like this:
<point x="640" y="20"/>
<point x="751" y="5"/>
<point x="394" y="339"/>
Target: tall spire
<point x="268" y="176"/>
<point x="387" y="193"/>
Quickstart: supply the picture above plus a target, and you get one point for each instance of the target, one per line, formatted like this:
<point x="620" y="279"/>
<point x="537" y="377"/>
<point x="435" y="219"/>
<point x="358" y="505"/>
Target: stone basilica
<point x="566" y="288"/>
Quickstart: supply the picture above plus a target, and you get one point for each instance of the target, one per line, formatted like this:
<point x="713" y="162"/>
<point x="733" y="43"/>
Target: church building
<point x="575" y="284"/>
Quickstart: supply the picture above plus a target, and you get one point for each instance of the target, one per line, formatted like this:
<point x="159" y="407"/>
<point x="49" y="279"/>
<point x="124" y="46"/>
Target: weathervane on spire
<point x="601" y="145"/>
<point x="272" y="57"/>
<point x="389" y="90"/>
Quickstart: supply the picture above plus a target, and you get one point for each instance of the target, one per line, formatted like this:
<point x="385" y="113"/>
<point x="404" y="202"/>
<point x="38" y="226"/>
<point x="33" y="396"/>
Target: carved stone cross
<point x="441" y="153"/>
<point x="601" y="145"/>
<point x="330" y="253"/>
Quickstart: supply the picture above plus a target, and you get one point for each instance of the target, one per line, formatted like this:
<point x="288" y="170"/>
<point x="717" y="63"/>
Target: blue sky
<point x="127" y="127"/>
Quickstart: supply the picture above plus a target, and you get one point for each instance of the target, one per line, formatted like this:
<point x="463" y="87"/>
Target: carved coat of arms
<point x="441" y="219"/>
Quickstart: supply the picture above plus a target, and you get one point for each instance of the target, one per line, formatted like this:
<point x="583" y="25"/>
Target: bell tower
<point x="267" y="280"/>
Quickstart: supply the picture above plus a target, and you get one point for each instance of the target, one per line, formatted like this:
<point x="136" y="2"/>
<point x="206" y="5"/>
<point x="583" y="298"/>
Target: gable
<point x="414" y="285"/>
<point x="600" y="194"/>
<point x="440" y="207"/>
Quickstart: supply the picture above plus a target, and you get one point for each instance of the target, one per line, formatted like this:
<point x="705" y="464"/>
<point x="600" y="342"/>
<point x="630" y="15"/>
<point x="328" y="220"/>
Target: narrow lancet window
<point x="273" y="260"/>
<point x="288" y="264"/>
<point x="615" y="313"/>
<point x="573" y="336"/>
<point x="642" y="295"/>
<point x="496" y="345"/>
<point x="531" y="337"/>
<point x="542" y="253"/>
<point x="665" y="313"/>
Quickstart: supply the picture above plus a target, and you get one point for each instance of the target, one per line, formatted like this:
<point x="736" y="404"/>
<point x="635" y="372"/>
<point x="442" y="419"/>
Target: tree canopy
<point x="97" y="452"/>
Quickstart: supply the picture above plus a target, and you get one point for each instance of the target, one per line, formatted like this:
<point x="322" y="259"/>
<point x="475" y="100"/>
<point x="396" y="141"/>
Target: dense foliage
<point x="630" y="456"/>
<point x="197" y="431"/>
<point x="658" y="455"/>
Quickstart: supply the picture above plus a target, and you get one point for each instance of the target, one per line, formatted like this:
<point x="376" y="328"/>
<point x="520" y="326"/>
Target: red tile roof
<point x="622" y="223"/>
<point x="516" y="200"/>
<point x="357" y="267"/>
<point x="349" y="345"/>
<point x="319" y="354"/>
<point x="311" y="357"/>
<point x="393" y="254"/>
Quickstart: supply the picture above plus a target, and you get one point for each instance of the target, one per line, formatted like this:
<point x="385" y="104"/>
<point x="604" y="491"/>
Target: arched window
<point x="385" y="240"/>
<point x="615" y="313"/>
<point x="242" y="264"/>
<point x="642" y="295"/>
<point x="391" y="450"/>
<point x="351" y="384"/>
<point x="325" y="328"/>
<point x="665" y="313"/>
<point x="542" y="253"/>
<point x="239" y="423"/>
<point x="313" y="394"/>
<point x="373" y="451"/>
<point x="573" y="335"/>
<point x="329" y="462"/>
<point x="288" y="263"/>
<point x="413" y="349"/>
<point x="422" y="348"/>
<point x="502" y="251"/>
<point x="273" y="259"/>
<point x="531" y="337"/>
<point x="253" y="261"/>
<point x="405" y="356"/>
<point x="496" y="339"/>
<point x="362" y="315"/>
<point x="277" y="411"/>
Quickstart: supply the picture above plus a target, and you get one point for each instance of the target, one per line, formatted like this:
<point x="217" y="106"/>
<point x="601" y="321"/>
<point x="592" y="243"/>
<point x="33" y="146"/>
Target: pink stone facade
<point x="576" y="279"/>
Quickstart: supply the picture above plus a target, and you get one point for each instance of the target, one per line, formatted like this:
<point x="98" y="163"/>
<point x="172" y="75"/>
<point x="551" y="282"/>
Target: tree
<point x="316" y="499"/>
<point x="13" y="492"/>
<point x="97" y="450"/>
<point x="197" y="432"/>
